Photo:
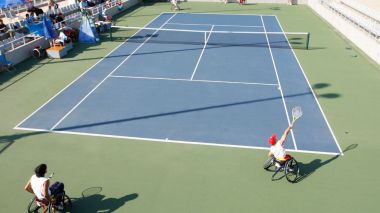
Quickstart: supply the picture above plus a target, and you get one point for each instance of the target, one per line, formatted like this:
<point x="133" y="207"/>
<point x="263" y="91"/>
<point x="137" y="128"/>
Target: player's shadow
<point x="92" y="201"/>
<point x="7" y="140"/>
<point x="307" y="169"/>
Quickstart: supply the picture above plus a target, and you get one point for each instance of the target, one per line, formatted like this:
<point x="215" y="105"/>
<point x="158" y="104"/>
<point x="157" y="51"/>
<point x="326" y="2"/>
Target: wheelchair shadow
<point x="308" y="169"/>
<point x="96" y="202"/>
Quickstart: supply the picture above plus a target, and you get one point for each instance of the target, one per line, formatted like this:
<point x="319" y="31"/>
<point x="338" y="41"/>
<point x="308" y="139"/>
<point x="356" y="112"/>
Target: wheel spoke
<point x="291" y="170"/>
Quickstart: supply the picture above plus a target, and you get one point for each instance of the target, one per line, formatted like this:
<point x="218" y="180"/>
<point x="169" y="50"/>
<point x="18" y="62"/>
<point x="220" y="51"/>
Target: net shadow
<point x="176" y="112"/>
<point x="211" y="44"/>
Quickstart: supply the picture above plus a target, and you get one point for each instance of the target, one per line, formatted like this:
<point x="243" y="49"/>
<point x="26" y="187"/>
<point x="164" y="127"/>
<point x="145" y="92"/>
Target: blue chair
<point x="5" y="65"/>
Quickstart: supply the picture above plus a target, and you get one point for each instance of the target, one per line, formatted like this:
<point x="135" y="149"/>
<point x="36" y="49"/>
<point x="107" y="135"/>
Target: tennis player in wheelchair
<point x="280" y="160"/>
<point x="277" y="149"/>
<point x="39" y="185"/>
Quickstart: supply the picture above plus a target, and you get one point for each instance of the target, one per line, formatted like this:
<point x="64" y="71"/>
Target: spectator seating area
<point x="14" y="10"/>
<point x="366" y="11"/>
<point x="357" y="14"/>
<point x="72" y="18"/>
<point x="20" y="44"/>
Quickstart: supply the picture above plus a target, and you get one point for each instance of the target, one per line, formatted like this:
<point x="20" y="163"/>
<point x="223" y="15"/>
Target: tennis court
<point x="215" y="79"/>
<point x="116" y="158"/>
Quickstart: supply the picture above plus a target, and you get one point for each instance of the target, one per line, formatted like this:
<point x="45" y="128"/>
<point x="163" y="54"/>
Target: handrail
<point x="13" y="44"/>
<point x="372" y="28"/>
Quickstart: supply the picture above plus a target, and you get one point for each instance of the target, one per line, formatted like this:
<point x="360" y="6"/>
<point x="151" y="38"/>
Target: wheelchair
<point x="290" y="168"/>
<point x="36" y="205"/>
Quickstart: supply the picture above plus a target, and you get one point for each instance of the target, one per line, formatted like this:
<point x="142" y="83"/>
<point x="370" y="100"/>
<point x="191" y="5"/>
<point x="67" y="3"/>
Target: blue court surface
<point x="232" y="90"/>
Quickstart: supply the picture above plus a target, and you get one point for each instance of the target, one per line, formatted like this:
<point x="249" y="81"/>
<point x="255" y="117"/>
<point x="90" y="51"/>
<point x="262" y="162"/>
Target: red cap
<point x="272" y="139"/>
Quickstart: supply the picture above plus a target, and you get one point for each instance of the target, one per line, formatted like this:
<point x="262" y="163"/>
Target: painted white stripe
<point x="180" y="79"/>
<point x="78" y="78"/>
<point x="84" y="98"/>
<point x="314" y="152"/>
<point x="32" y="129"/>
<point x="166" y="140"/>
<point x="315" y="97"/>
<point x="222" y="14"/>
<point x="200" y="56"/>
<point x="216" y="25"/>
<point x="279" y="83"/>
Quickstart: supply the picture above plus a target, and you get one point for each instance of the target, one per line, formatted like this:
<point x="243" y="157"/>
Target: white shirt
<point x="37" y="186"/>
<point x="278" y="151"/>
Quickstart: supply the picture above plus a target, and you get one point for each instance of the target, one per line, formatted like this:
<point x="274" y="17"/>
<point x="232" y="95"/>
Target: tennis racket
<point x="51" y="175"/>
<point x="296" y="113"/>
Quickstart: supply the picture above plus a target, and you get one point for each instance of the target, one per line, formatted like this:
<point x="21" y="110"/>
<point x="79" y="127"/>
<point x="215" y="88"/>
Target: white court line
<point x="68" y="113"/>
<point x="72" y="82"/>
<point x="203" y="50"/>
<point x="222" y="14"/>
<point x="312" y="91"/>
<point x="279" y="83"/>
<point x="172" y="141"/>
<point x="32" y="129"/>
<point x="147" y="139"/>
<point x="216" y="25"/>
<point x="182" y="79"/>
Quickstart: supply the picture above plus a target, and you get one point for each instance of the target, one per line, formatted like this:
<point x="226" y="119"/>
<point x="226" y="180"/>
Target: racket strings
<point x="296" y="112"/>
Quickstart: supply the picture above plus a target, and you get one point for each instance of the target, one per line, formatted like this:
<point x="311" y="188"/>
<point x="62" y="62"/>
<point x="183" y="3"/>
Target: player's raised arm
<point x="283" y="137"/>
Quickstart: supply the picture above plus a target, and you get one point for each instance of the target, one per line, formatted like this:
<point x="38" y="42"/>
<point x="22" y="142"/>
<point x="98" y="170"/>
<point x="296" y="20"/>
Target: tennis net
<point x="295" y="40"/>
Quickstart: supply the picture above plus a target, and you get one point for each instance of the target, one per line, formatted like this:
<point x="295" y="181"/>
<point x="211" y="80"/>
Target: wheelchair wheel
<point x="269" y="164"/>
<point x="38" y="52"/>
<point x="33" y="207"/>
<point x="67" y="205"/>
<point x="291" y="170"/>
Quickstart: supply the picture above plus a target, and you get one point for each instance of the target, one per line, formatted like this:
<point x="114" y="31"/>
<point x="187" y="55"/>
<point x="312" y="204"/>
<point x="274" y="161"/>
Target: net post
<point x="307" y="40"/>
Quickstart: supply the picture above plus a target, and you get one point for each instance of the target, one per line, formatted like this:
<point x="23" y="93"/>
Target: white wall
<point x="356" y="35"/>
<point x="23" y="52"/>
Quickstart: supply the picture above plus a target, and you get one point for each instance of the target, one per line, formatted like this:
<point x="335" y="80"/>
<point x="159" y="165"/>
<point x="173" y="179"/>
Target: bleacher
<point x="15" y="24"/>
<point x="363" y="9"/>
<point x="357" y="14"/>
<point x="14" y="10"/>
<point x="8" y="43"/>
<point x="18" y="48"/>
